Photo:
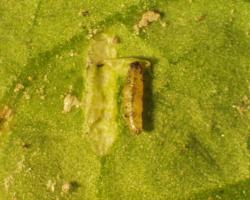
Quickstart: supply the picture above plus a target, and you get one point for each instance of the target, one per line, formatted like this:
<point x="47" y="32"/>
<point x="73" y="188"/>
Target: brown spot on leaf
<point x="66" y="187"/>
<point x="85" y="13"/>
<point x="41" y="92"/>
<point x="18" y="87"/>
<point x="5" y="115"/>
<point x="200" y="18"/>
<point x="243" y="106"/>
<point x="26" y="95"/>
<point x="25" y="145"/>
<point x="146" y="19"/>
<point x="30" y="78"/>
<point x="69" y="187"/>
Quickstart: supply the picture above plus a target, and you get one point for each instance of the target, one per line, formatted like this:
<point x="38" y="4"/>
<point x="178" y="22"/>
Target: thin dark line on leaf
<point x="199" y="149"/>
<point x="32" y="27"/>
<point x="38" y="8"/>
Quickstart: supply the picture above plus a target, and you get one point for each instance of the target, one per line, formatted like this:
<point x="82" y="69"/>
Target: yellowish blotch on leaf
<point x="69" y="102"/>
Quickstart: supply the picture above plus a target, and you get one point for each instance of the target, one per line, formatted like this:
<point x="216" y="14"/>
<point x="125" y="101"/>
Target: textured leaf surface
<point x="196" y="144"/>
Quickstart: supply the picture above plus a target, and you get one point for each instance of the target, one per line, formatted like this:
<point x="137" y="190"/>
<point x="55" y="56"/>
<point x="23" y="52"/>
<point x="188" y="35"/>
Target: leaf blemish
<point x="51" y="185"/>
<point x="244" y="105"/>
<point x="8" y="182"/>
<point x="146" y="19"/>
<point x="5" y="116"/>
<point x="69" y="187"/>
<point x="69" y="102"/>
<point x="66" y="187"/>
<point x="103" y="72"/>
<point x="19" y="87"/>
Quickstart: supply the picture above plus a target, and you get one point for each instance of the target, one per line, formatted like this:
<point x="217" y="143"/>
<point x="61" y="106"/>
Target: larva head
<point x="143" y="64"/>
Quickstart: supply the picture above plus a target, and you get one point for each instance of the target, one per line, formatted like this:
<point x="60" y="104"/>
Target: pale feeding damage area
<point x="100" y="102"/>
<point x="51" y="184"/>
<point x="19" y="87"/>
<point x="146" y="19"/>
<point x="8" y="182"/>
<point x="69" y="102"/>
<point x="6" y="115"/>
<point x="66" y="187"/>
<point x="244" y="105"/>
<point x="103" y="72"/>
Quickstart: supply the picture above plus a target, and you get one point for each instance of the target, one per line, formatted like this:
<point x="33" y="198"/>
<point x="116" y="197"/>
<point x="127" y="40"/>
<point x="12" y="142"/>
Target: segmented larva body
<point x="133" y="97"/>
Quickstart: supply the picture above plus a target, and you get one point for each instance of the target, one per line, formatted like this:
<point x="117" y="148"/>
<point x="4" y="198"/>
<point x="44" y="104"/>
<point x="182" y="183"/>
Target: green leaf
<point x="196" y="140"/>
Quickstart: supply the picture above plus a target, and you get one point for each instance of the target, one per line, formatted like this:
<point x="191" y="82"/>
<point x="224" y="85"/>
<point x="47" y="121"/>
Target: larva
<point x="105" y="75"/>
<point x="133" y="96"/>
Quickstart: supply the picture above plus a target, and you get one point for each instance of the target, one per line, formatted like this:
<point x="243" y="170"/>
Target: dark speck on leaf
<point x="99" y="64"/>
<point x="74" y="185"/>
<point x="25" y="145"/>
<point x="201" y="18"/>
<point x="136" y="65"/>
<point x="85" y="13"/>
